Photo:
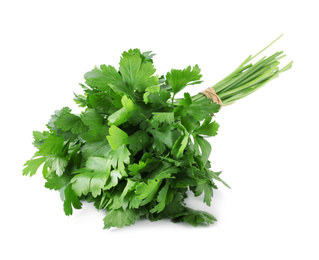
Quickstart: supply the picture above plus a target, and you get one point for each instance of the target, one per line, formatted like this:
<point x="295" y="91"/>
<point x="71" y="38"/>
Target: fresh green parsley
<point x="135" y="151"/>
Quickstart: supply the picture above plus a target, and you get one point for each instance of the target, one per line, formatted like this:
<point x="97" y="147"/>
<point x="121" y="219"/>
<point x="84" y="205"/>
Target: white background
<point x="267" y="146"/>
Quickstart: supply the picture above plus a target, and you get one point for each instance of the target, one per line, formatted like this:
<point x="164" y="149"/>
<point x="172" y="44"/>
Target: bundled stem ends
<point x="248" y="77"/>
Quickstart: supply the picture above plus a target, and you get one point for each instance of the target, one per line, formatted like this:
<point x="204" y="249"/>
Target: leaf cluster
<point x="133" y="152"/>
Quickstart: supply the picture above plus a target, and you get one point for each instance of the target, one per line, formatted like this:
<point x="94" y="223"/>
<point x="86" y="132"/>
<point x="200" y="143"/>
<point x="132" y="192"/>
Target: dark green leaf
<point x="204" y="146"/>
<point x="208" y="192"/>
<point x="56" y="182"/>
<point x="68" y="121"/>
<point x="179" y="79"/>
<point x="92" y="118"/>
<point x="209" y="129"/>
<point x="138" y="140"/>
<point x="137" y="74"/>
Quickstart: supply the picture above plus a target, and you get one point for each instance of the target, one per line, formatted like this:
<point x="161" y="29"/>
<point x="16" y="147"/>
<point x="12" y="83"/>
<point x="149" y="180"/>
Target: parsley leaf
<point x="121" y="115"/>
<point x="138" y="75"/>
<point x="138" y="140"/>
<point x="105" y="77"/>
<point x="93" y="119"/>
<point x="56" y="182"/>
<point x="207" y="128"/>
<point x="120" y="218"/>
<point x="92" y="178"/>
<point x="119" y="158"/>
<point x="33" y="165"/>
<point x="179" y="79"/>
<point x="116" y="137"/>
<point x="57" y="164"/>
<point x="70" y="199"/>
<point x="68" y="121"/>
<point x="208" y="191"/>
<point x="198" y="217"/>
<point x="164" y="197"/>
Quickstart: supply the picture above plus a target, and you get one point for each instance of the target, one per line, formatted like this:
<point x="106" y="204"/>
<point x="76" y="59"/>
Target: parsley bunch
<point x="135" y="151"/>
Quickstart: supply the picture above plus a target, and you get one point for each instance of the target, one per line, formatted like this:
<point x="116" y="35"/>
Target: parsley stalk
<point x="248" y="77"/>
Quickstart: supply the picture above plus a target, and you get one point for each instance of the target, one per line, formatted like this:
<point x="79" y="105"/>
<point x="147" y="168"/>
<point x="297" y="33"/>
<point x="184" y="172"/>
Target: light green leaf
<point x="147" y="191"/>
<point x="135" y="168"/>
<point x="153" y="89"/>
<point x="57" y="164"/>
<point x="149" y="90"/>
<point x="93" y="136"/>
<point x="39" y="138"/>
<point x="113" y="180"/>
<point x="93" y="177"/>
<point x="97" y="164"/>
<point x="130" y="185"/>
<point x="121" y="115"/>
<point x="120" y="157"/>
<point x="120" y="218"/>
<point x="180" y="145"/>
<point x="96" y="149"/>
<point x="32" y="166"/>
<point x="116" y="137"/>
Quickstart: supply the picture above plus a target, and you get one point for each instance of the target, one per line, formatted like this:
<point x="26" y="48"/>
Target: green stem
<point x="247" y="78"/>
